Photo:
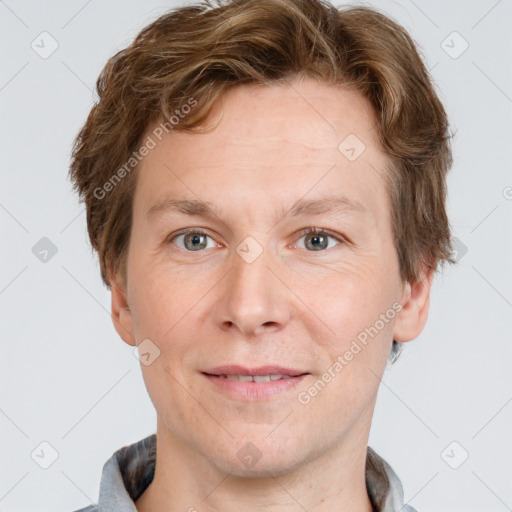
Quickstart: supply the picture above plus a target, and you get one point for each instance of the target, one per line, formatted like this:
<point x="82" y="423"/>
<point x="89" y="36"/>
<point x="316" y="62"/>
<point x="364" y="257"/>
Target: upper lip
<point x="262" y="370"/>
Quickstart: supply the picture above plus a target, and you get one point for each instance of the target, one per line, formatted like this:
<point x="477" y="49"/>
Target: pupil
<point x="194" y="239"/>
<point x="315" y="238"/>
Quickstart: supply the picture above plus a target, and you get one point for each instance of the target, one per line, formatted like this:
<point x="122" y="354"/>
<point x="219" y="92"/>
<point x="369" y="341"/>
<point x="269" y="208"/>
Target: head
<point x="250" y="109"/>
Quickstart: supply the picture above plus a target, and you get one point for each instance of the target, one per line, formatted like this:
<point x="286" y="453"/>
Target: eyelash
<point x="309" y="231"/>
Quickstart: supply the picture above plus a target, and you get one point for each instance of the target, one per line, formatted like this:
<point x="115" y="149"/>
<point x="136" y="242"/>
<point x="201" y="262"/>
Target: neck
<point x="186" y="481"/>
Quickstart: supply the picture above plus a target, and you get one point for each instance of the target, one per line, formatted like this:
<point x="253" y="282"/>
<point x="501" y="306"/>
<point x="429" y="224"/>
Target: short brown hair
<point x="199" y="51"/>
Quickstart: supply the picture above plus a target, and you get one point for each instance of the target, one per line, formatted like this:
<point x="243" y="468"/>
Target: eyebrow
<point x="321" y="206"/>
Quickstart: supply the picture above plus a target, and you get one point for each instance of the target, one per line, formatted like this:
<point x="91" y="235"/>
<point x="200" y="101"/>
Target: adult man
<point x="265" y="186"/>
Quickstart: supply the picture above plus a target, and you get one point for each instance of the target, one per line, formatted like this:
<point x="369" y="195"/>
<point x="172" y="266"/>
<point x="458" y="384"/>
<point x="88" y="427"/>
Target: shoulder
<point x="90" y="508"/>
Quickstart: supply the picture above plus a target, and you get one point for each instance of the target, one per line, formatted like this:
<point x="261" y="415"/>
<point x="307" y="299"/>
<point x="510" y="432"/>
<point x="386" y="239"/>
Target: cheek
<point x="161" y="301"/>
<point x="353" y="316"/>
<point x="348" y="296"/>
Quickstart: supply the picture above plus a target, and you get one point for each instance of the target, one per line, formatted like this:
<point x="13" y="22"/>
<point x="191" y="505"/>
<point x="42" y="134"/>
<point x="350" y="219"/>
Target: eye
<point x="318" y="239"/>
<point x="193" y="240"/>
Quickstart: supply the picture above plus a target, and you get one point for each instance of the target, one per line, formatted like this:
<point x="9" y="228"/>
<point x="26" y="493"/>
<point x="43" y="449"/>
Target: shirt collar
<point x="131" y="469"/>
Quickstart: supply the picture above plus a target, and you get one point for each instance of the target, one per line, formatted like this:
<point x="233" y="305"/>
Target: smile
<point x="254" y="378"/>
<point x="251" y="388"/>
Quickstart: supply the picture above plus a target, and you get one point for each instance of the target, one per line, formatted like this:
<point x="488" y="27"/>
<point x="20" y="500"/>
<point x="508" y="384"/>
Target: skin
<point x="294" y="306"/>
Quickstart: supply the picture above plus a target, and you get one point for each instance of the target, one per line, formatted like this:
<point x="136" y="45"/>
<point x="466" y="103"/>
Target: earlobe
<point x="415" y="305"/>
<point x="121" y="314"/>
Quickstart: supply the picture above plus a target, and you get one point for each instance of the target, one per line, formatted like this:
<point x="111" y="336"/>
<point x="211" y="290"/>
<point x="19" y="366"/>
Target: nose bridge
<point x="253" y="297"/>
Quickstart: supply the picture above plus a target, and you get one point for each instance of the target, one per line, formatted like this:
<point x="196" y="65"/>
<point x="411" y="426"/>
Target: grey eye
<point x="195" y="241"/>
<point x="318" y="240"/>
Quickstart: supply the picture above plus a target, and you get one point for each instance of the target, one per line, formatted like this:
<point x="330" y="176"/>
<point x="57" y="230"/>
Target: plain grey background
<point x="444" y="413"/>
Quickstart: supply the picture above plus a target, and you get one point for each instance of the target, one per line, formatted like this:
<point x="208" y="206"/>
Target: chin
<point x="260" y="458"/>
<point x="265" y="467"/>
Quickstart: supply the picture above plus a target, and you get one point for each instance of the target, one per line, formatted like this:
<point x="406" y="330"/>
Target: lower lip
<point x="254" y="390"/>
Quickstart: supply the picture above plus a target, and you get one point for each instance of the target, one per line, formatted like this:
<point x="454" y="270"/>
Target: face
<point x="241" y="282"/>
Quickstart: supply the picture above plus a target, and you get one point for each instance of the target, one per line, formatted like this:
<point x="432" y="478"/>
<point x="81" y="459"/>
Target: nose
<point x="254" y="298"/>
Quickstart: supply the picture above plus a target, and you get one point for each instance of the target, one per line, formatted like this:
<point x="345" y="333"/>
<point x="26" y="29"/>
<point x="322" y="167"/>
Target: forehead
<point x="300" y="117"/>
<point x="276" y="141"/>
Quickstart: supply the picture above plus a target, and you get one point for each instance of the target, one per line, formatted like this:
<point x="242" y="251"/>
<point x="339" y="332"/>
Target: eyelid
<point x="313" y="230"/>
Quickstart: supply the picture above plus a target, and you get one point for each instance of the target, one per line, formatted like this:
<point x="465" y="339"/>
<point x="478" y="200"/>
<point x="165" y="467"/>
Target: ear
<point x="121" y="314"/>
<point x="411" y="320"/>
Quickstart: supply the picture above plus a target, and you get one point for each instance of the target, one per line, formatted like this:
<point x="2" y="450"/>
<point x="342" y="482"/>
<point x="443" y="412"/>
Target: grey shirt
<point x="130" y="470"/>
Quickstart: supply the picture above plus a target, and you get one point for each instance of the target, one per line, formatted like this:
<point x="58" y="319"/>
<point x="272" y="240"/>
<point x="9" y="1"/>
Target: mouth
<point x="254" y="378"/>
<point x="260" y="383"/>
<point x="257" y="374"/>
